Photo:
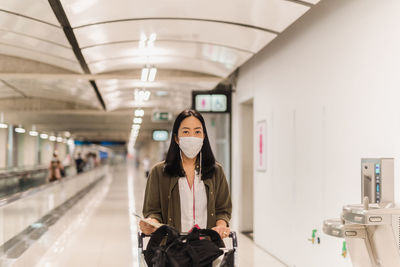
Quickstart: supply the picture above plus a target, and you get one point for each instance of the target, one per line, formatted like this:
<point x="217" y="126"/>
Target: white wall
<point x="3" y="148"/>
<point x="329" y="88"/>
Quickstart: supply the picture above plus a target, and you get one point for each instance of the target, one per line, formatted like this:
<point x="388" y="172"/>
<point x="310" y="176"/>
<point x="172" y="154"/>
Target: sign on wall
<point x="261" y="146"/>
<point x="160" y="135"/>
<point x="214" y="101"/>
<point x="160" y="116"/>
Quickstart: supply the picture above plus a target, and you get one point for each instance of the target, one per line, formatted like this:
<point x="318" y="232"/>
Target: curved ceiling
<point x="273" y="15"/>
<point x="194" y="45"/>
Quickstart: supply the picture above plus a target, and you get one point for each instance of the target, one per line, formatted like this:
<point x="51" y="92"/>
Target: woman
<point x="56" y="169"/>
<point x="189" y="189"/>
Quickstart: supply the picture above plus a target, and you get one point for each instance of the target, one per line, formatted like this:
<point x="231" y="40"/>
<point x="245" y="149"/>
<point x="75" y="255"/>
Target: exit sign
<point x="161" y="116"/>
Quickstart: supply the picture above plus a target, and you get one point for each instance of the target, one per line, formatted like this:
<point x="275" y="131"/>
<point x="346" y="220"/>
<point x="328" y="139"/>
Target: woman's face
<point x="190" y="127"/>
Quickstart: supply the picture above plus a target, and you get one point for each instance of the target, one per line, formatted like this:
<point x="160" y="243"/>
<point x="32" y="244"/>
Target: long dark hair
<point x="173" y="165"/>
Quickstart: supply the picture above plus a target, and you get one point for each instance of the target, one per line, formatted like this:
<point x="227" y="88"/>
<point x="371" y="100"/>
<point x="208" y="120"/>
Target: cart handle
<point x="232" y="235"/>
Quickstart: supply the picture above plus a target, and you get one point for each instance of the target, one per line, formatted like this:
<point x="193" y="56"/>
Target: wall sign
<point x="261" y="146"/>
<point x="214" y="101"/>
<point x="203" y="103"/>
<point x="161" y="116"/>
<point x="160" y="135"/>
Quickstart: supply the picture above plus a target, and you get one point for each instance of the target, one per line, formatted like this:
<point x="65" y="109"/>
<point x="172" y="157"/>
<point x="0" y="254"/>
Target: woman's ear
<point x="176" y="139"/>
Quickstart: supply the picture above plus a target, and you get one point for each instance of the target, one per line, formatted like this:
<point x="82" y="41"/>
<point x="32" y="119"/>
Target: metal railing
<point x="19" y="179"/>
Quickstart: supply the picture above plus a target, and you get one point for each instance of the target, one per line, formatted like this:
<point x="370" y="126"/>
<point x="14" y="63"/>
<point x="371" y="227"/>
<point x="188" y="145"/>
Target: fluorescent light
<point x="59" y="139"/>
<point x="152" y="74"/>
<point x="52" y="138"/>
<point x="150" y="42"/>
<point x="20" y="130"/>
<point x="146" y="95"/>
<point x="67" y="134"/>
<point x="152" y="37"/>
<point x="145" y="73"/>
<point x="137" y="120"/>
<point x="135" y="126"/>
<point x="33" y="133"/>
<point x="142" y="95"/>
<point x="70" y="142"/>
<point x="44" y="136"/>
<point x="142" y="42"/>
<point x="3" y="126"/>
<point x="139" y="113"/>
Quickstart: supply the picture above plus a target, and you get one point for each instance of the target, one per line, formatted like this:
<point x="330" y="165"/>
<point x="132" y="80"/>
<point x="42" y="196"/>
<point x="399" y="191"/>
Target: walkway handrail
<point x="19" y="195"/>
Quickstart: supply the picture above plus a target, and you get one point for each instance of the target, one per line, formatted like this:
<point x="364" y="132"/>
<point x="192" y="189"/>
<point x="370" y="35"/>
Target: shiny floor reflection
<point x="103" y="230"/>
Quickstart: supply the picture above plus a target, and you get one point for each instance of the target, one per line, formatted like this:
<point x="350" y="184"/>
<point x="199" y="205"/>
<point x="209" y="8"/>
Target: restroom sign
<point x="211" y="101"/>
<point x="203" y="103"/>
<point x="261" y="146"/>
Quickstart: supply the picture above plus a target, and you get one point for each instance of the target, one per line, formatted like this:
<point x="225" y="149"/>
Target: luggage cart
<point x="142" y="236"/>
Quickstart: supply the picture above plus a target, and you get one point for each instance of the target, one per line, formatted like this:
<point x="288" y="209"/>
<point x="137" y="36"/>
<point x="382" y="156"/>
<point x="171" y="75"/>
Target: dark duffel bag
<point x="166" y="248"/>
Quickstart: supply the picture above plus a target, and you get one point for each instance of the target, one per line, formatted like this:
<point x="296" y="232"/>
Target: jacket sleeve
<point x="223" y="203"/>
<point x="152" y="204"/>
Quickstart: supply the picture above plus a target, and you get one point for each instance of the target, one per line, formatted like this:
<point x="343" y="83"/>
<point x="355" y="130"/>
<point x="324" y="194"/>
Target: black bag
<point x="229" y="259"/>
<point x="178" y="251"/>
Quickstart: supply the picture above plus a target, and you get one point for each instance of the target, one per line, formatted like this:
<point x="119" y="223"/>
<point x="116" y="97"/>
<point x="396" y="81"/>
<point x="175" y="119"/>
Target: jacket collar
<point x="173" y="182"/>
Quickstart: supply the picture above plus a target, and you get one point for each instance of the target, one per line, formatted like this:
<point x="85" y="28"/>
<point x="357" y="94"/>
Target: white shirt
<point x="200" y="207"/>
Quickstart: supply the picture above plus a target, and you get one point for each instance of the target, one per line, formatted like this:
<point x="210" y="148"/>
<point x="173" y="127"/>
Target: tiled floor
<point x="104" y="232"/>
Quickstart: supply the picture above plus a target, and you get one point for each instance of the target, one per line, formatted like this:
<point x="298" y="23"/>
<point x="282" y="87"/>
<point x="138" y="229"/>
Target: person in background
<point x="79" y="163"/>
<point x="96" y="162"/>
<point x="89" y="161"/>
<point x="56" y="169"/>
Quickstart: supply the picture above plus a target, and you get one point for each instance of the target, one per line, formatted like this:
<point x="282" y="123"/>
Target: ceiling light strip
<point x="69" y="33"/>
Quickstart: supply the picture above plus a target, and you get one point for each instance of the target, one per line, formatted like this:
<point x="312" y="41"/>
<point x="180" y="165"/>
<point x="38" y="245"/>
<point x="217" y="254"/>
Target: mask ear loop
<point x="200" y="165"/>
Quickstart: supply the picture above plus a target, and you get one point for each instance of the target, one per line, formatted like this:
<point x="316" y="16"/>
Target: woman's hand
<point x="222" y="229"/>
<point x="146" y="228"/>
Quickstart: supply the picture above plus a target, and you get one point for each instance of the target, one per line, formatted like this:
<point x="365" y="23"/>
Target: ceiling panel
<point x="120" y="94"/>
<point x="108" y="86"/>
<point x="7" y="92"/>
<point x="37" y="9"/>
<point x="22" y="41"/>
<point x="226" y="57"/>
<point x="205" y="32"/>
<point x="79" y="91"/>
<point x="17" y="24"/>
<point x="69" y="64"/>
<point x="314" y="2"/>
<point x="275" y="15"/>
<point x="170" y="105"/>
<point x="189" y="64"/>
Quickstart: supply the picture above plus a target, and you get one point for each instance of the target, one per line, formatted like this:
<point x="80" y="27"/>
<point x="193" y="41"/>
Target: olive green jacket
<point x="162" y="199"/>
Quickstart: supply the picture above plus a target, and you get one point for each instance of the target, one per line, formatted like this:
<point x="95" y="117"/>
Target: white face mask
<point x="190" y="146"/>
